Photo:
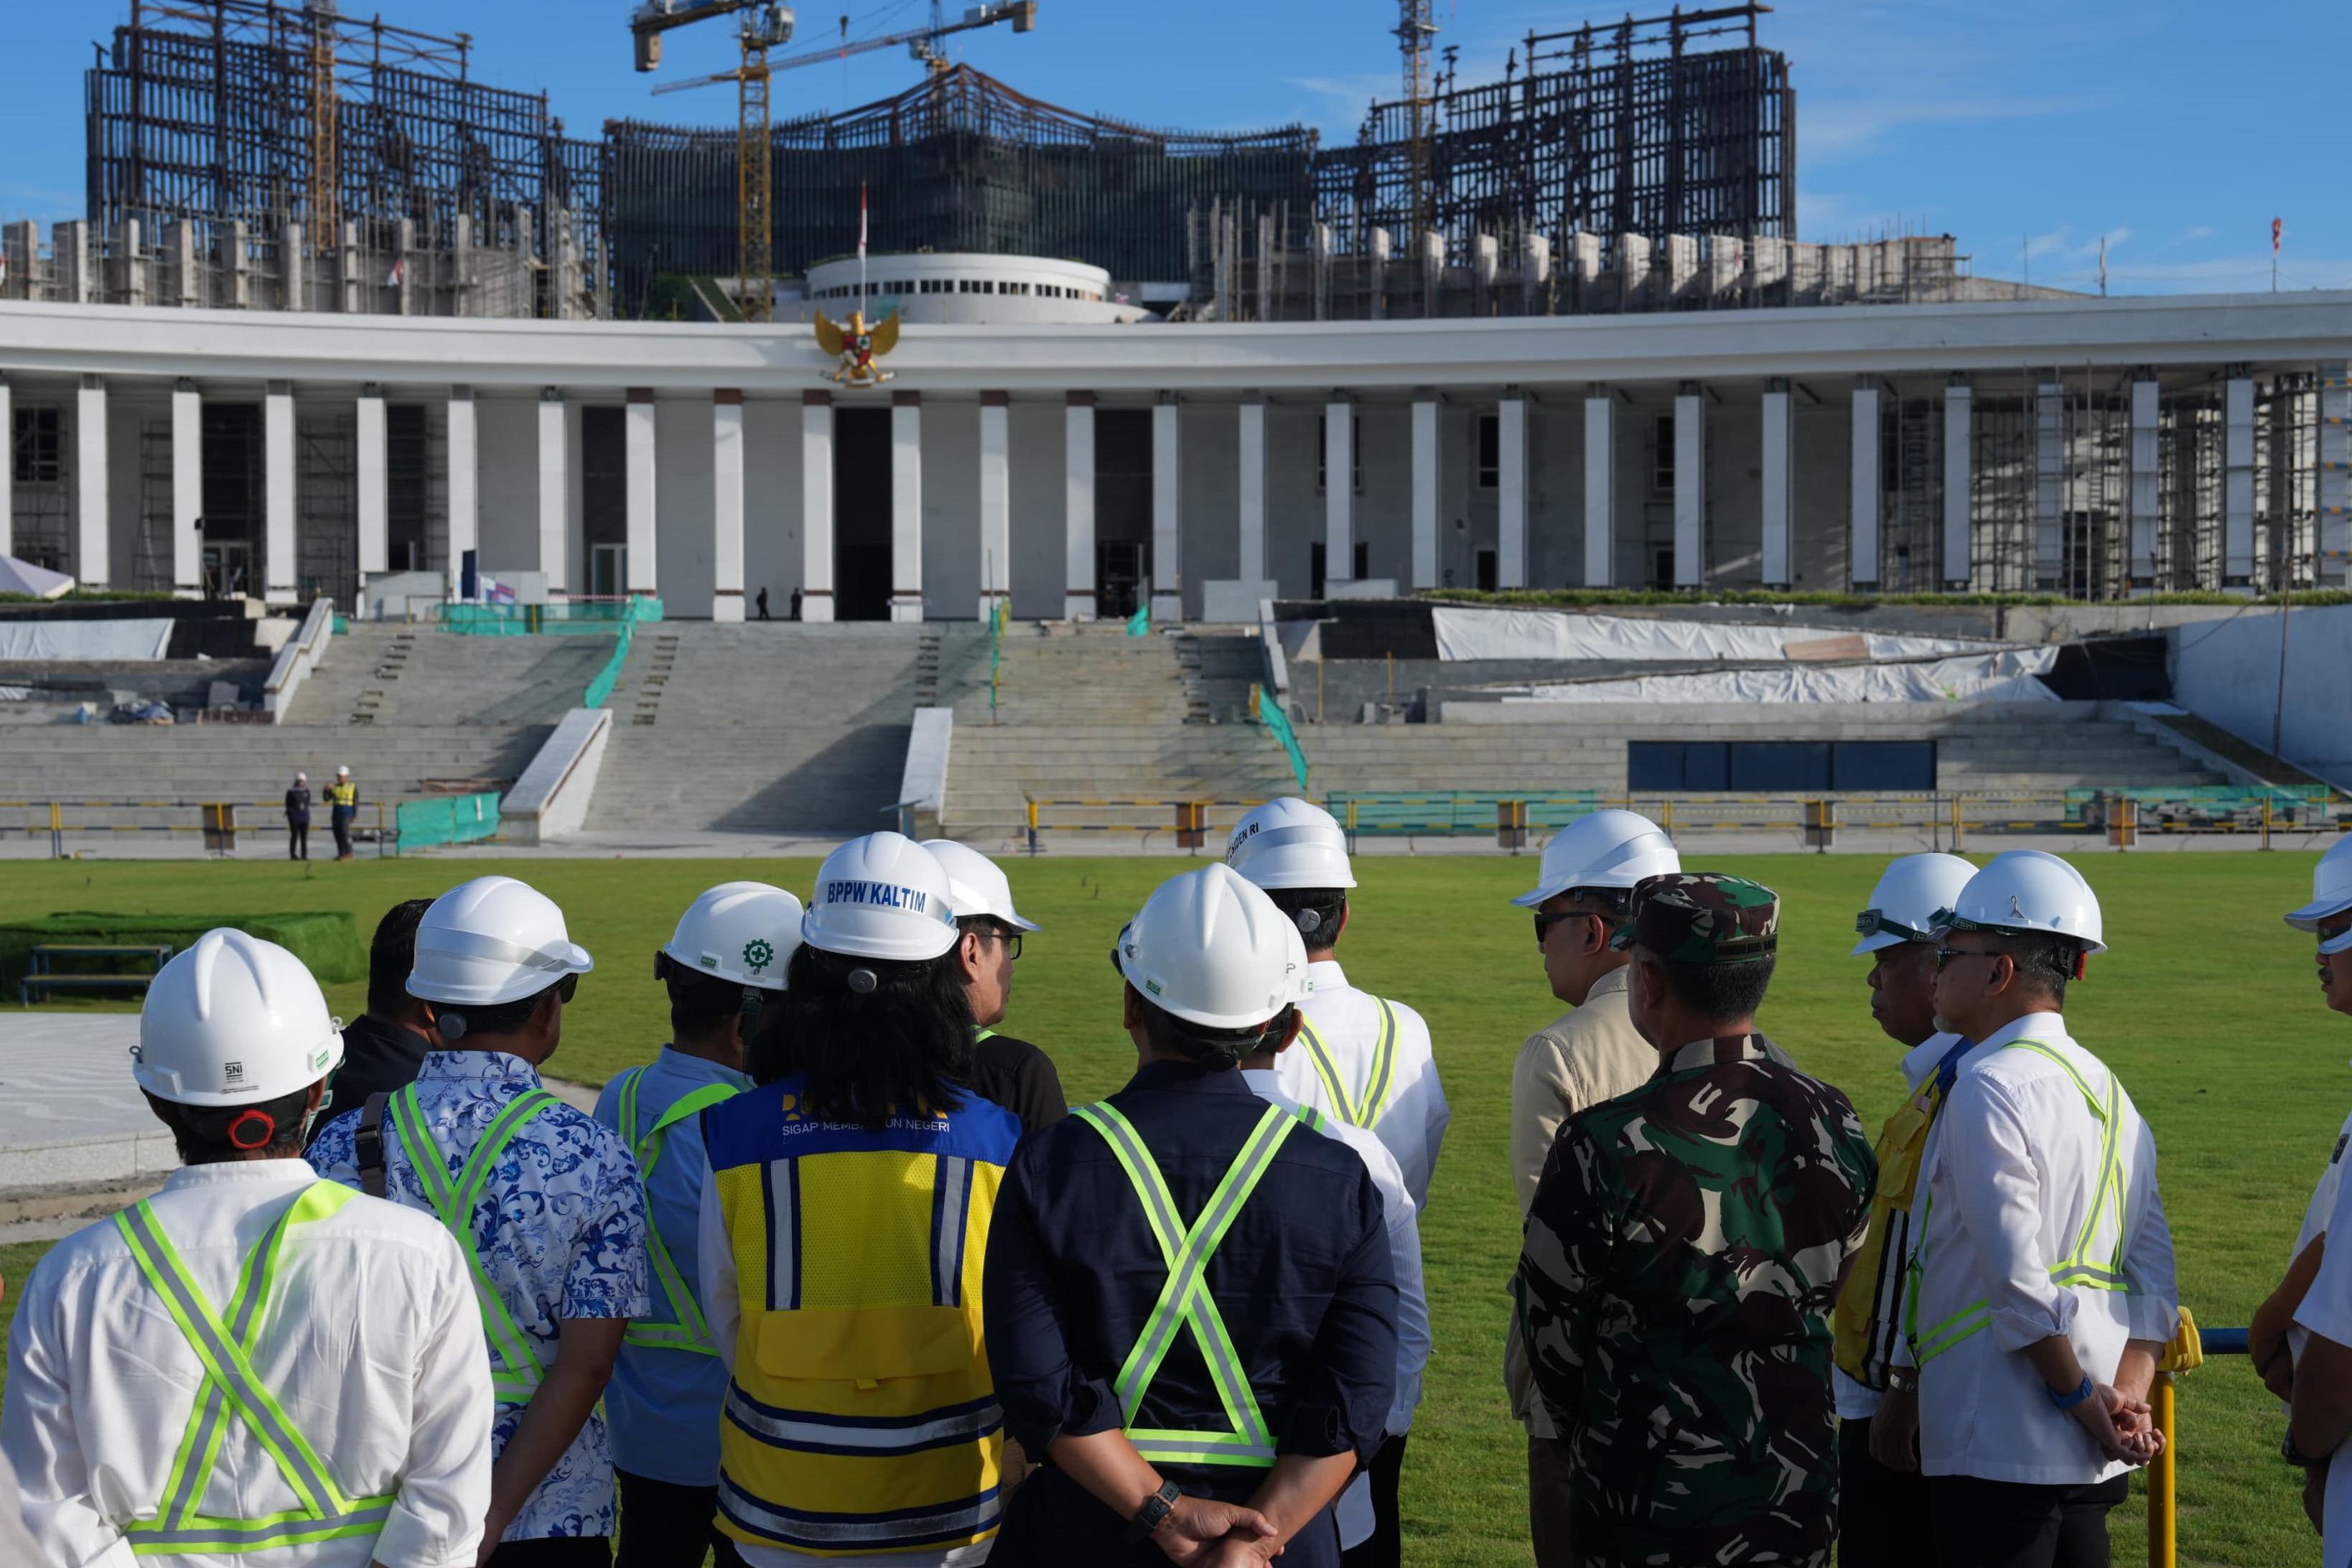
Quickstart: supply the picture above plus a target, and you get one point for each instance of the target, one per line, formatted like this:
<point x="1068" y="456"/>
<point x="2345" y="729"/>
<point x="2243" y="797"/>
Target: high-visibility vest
<point x="516" y="1370"/>
<point x="1870" y="1311"/>
<point x="1184" y="1300"/>
<point x="680" y="1326"/>
<point x="343" y="797"/>
<point x="2077" y="1268"/>
<point x="232" y="1391"/>
<point x="1364" y="1110"/>
<point x="862" y="1416"/>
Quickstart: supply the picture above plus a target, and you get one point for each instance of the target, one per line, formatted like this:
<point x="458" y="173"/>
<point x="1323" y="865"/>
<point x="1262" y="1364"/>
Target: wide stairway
<point x="409" y="675"/>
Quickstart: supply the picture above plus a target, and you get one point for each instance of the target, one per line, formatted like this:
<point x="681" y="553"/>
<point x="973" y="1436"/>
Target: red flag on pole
<point x="2277" y="227"/>
<point x="861" y="223"/>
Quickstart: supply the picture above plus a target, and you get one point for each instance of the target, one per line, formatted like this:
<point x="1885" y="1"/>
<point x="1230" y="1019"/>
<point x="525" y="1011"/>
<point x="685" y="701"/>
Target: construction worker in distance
<point x="1010" y="1072"/>
<point x="844" y="1224"/>
<point x="1366" y="1060"/>
<point x="1191" y="1311"/>
<point x="297" y="818"/>
<point x="1685" y="1247"/>
<point x="546" y="1202"/>
<point x="2301" y="1338"/>
<point x="723" y="966"/>
<point x="342" y="808"/>
<point x="2041" y="1285"/>
<point x="253" y="1362"/>
<point x="1880" y="1511"/>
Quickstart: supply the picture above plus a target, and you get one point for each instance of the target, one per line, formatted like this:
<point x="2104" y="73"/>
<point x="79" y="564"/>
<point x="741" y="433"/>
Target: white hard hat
<point x="301" y="778"/>
<point x="882" y="896"/>
<point x="234" y="1020"/>
<point x="741" y="931"/>
<point x="2030" y="893"/>
<point x="1611" y="849"/>
<point x="489" y="940"/>
<point x="340" y="773"/>
<point x="976" y="884"/>
<point x="2331" y="894"/>
<point x="1212" y="949"/>
<point x="1911" y="893"/>
<point x="1290" y="843"/>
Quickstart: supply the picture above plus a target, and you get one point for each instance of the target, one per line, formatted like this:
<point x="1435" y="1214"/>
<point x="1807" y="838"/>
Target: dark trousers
<point x="1881" y="1513"/>
<point x="555" y="1551"/>
<point x="341" y="821"/>
<point x="1384" y="1547"/>
<point x="664" y="1525"/>
<point x="298" y="841"/>
<point x="2009" y="1524"/>
<point x="1548" y="1505"/>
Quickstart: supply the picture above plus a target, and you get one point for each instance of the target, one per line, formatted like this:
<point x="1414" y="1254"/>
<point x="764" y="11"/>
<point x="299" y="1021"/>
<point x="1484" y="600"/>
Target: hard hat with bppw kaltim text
<point x="976" y="884"/>
<point x="1211" y="948"/>
<point x="2331" y="894"/>
<point x="234" y="1020"/>
<point x="1609" y="849"/>
<point x="741" y="931"/>
<point x="2028" y="892"/>
<point x="1290" y="843"/>
<point x="1910" y="892"/>
<point x="882" y="896"/>
<point x="490" y="940"/>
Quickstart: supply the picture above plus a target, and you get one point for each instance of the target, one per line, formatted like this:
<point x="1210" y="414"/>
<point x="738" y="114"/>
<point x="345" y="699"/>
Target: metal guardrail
<point x="377" y="823"/>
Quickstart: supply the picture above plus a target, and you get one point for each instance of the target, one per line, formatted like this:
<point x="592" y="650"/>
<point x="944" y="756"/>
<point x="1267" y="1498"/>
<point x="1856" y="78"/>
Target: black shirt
<point x="1016" y="1075"/>
<point x="298" y="805"/>
<point x="378" y="1057"/>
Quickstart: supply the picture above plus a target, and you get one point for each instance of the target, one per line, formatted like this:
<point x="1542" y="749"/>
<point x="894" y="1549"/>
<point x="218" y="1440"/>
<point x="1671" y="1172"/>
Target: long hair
<point x="899" y="1046"/>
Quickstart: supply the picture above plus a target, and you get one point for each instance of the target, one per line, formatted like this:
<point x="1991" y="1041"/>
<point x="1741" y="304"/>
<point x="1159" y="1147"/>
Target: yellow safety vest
<point x="1870" y="1311"/>
<point x="343" y="797"/>
<point x="681" y="1327"/>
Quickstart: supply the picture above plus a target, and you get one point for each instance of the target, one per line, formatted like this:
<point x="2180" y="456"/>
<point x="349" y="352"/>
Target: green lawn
<point x="2207" y="1005"/>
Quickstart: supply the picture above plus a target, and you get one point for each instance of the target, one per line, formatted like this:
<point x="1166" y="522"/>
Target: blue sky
<point x="2028" y="128"/>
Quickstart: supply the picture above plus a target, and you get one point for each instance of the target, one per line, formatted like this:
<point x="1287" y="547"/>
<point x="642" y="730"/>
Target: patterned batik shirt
<point x="1682" y="1260"/>
<point x="559" y="1230"/>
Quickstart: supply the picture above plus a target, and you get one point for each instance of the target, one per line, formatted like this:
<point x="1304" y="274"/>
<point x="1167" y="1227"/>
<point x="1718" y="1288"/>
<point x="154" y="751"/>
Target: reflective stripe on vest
<point x="683" y="1327"/>
<point x="2076" y="1267"/>
<point x="1184" y="1300"/>
<point x="1356" y="1113"/>
<point x="515" y="1366"/>
<point x="226" y="1350"/>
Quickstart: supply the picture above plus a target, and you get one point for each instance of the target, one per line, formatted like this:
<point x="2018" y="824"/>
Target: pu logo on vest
<point x="793" y="1107"/>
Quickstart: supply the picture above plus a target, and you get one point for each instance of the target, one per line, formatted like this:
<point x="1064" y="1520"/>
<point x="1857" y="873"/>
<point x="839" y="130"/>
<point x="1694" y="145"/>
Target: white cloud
<point x="1832" y="128"/>
<point x="2191" y="235"/>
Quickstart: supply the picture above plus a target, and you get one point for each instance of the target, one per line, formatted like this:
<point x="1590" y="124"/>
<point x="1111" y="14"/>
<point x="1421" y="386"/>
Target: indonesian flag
<point x="2278" y="226"/>
<point x="399" y="270"/>
<point x="861" y="221"/>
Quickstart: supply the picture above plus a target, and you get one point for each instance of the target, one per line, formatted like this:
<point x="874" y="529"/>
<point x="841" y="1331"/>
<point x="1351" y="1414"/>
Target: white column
<point x="2146" y="407"/>
<point x="1339" y="489"/>
<point x="2335" y="471"/>
<point x="1599" y="488"/>
<point x="906" y="506"/>
<point x="1424" y="491"/>
<point x="92" y="537"/>
<point x="2050" y="485"/>
<point x="995" y="501"/>
<point x="8" y="435"/>
<point x="1167" y="518"/>
<point x="816" y="506"/>
<point x="1690" y="486"/>
<point x="1511" y="490"/>
<point x="375" y="544"/>
<point x="278" y="492"/>
<point x="2238" y="481"/>
<point x="1862" y="546"/>
<point x="465" y="486"/>
<point x="1078" y="508"/>
<point x="1777" y="471"/>
<point x="727" y="504"/>
<point x="554" y="497"/>
<point x="1959" y="473"/>
<point x="1252" y="511"/>
<point x="187" y="490"/>
<point x="644" y="556"/>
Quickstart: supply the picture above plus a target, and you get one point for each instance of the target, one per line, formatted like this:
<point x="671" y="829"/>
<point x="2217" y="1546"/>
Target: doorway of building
<point x="605" y="499"/>
<point x="228" y="568"/>
<point x="1122" y="509"/>
<point x="608" y="570"/>
<point x="861" y="514"/>
<point x="1122" y="567"/>
<point x="231" y="499"/>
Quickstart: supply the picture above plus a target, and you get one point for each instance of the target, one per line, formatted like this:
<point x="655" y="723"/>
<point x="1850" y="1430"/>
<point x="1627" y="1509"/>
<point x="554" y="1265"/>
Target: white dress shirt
<point x="2317" y="1216"/>
<point x="2012" y="1174"/>
<point x="1412" y="1120"/>
<point x="370" y="1341"/>
<point x="2326" y="1311"/>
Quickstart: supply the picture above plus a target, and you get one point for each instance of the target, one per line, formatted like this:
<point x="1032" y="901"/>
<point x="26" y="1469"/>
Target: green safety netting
<point x="1270" y="714"/>
<point x="561" y="618"/>
<point x="450" y="819"/>
<point x="2233" y="803"/>
<point x="1458" y="812"/>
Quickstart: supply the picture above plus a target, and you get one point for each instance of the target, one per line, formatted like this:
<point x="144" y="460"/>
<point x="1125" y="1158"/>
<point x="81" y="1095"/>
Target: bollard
<point x="220" y="828"/>
<point x="1510" y="825"/>
<point x="2123" y="821"/>
<point x="1821" y="824"/>
<point x="56" y="831"/>
<point x="1033" y="827"/>
<point x="1192" y="824"/>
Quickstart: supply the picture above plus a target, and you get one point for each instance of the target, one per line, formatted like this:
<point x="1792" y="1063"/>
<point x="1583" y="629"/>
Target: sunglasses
<point x="1545" y="922"/>
<point x="567" y="988"/>
<point x="1945" y="955"/>
<point x="1875" y="922"/>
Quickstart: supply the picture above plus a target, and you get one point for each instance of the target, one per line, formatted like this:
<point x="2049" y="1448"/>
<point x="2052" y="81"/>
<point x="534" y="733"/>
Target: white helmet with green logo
<point x="739" y="932"/>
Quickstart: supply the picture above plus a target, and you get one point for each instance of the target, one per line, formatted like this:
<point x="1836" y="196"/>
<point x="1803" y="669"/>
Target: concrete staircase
<point x="404" y="674"/>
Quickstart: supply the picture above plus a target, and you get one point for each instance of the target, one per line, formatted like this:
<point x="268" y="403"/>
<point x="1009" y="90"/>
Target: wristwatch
<point x="1152" y="1514"/>
<point x="2068" y="1401"/>
<point x="2296" y="1456"/>
<point x="1902" y="1380"/>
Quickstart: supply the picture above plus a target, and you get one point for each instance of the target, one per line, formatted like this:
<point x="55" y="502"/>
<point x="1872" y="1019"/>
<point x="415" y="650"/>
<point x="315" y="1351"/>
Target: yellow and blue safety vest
<point x="861" y="1417"/>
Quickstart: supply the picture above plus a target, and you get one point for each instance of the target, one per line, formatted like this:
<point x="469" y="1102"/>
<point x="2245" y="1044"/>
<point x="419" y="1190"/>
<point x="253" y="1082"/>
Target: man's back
<point x="1367" y="1061"/>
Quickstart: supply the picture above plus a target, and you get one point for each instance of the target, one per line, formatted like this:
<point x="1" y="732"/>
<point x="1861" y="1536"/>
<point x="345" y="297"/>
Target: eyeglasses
<point x="1945" y="955"/>
<point x="1011" y="939"/>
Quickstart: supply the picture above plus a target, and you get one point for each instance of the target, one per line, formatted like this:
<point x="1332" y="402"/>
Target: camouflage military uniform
<point x="1681" y="1263"/>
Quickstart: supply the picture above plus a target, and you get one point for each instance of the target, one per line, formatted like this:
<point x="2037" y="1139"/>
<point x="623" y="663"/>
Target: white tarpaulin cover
<point x="1983" y="678"/>
<point x="27" y="638"/>
<point x="1547" y="634"/>
<point x="24" y="577"/>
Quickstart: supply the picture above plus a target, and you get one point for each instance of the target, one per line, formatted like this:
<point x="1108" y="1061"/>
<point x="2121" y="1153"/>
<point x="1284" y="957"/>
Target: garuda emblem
<point x="857" y="345"/>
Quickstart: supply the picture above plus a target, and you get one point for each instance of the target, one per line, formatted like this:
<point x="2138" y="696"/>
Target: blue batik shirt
<point x="665" y="1403"/>
<point x="561" y="1232"/>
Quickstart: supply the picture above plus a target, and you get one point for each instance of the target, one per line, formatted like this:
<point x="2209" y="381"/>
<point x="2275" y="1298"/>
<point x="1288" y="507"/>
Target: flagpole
<point x="861" y="248"/>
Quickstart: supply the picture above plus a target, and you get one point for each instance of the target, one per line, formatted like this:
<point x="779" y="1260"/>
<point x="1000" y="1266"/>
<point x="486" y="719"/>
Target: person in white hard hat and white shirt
<point x="1362" y="1059"/>
<point x="545" y="1199"/>
<point x="721" y="967"/>
<point x="253" y="1362"/>
<point x="1005" y="1070"/>
<point x="2042" y="1286"/>
<point x="1883" y="1509"/>
<point x="2301" y="1339"/>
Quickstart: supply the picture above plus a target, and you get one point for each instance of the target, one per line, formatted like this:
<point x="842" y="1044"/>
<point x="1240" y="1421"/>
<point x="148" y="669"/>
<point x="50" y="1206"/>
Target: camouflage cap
<point x="1703" y="917"/>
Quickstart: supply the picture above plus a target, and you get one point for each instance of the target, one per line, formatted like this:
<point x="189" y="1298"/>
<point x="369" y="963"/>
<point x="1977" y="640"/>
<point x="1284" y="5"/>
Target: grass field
<point x="2207" y="1005"/>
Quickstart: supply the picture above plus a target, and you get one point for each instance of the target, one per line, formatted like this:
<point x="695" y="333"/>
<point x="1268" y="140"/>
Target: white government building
<point x="1041" y="438"/>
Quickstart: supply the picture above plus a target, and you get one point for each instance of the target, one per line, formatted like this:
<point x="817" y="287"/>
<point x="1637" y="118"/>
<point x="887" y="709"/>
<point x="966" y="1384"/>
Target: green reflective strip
<point x="200" y="1443"/>
<point x="1319" y="1056"/>
<point x="1376" y="1090"/>
<point x="1184" y="1299"/>
<point x="1315" y="1119"/>
<point x="685" y="1328"/>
